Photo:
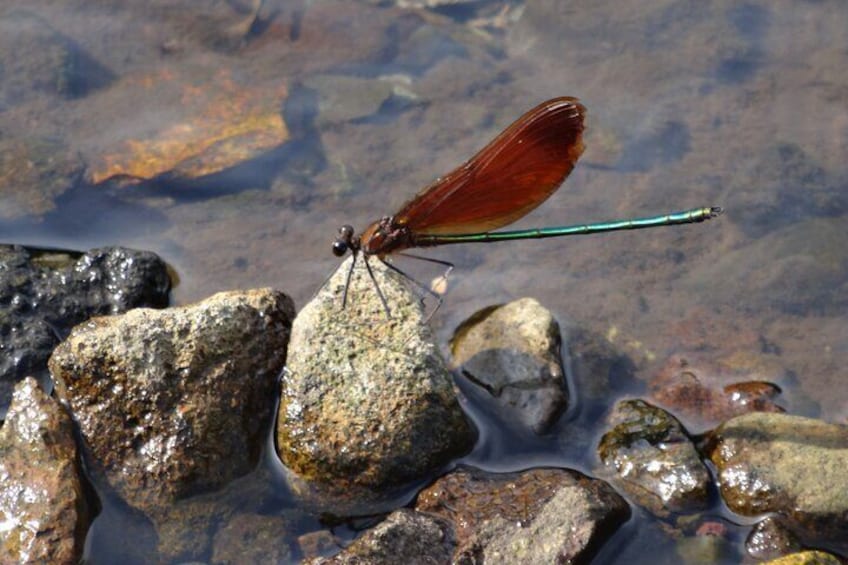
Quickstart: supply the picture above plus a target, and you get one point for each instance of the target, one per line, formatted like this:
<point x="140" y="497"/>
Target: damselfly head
<point x="344" y="241"/>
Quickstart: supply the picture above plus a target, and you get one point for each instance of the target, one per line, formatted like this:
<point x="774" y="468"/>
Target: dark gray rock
<point x="42" y="503"/>
<point x="367" y="403"/>
<point x="512" y="353"/>
<point x="44" y="293"/>
<point x="175" y="403"/>
<point x="653" y="459"/>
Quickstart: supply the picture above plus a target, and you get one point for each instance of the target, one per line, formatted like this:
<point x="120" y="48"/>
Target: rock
<point x="536" y="516"/>
<point x="806" y="558"/>
<point x="34" y="172"/>
<point x="704" y="391"/>
<point x="176" y="403"/>
<point x="367" y="403"/>
<point x="404" y="536"/>
<point x="786" y="464"/>
<point x="770" y="538"/>
<point x="345" y="98"/>
<point x="653" y="459"/>
<point x="213" y="122"/>
<point x="318" y="543"/>
<point x="44" y="293"/>
<point x="511" y="353"/>
<point x="252" y="538"/>
<point x="42" y="503"/>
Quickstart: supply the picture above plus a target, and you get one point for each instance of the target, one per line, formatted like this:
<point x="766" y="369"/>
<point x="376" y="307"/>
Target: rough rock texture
<point x="44" y="293"/>
<point x="405" y="536"/>
<point x="653" y="459"/>
<point x="787" y="464"/>
<point x="43" y="510"/>
<point x="537" y="516"/>
<point x="512" y="353"/>
<point x="175" y="403"/>
<point x="367" y="403"/>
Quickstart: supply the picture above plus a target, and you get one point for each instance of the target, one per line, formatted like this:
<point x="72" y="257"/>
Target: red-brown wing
<point x="508" y="178"/>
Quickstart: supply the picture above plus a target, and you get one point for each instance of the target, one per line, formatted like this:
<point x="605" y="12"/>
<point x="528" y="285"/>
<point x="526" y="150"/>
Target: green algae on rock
<point x="367" y="402"/>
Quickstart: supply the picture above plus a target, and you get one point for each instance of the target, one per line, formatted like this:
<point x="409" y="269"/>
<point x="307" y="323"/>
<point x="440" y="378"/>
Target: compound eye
<point x="346" y="231"/>
<point x="339" y="248"/>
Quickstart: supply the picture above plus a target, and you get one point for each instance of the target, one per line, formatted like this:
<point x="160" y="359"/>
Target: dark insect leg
<point x="431" y="260"/>
<point x="419" y="285"/>
<point x="377" y="286"/>
<point x="347" y="280"/>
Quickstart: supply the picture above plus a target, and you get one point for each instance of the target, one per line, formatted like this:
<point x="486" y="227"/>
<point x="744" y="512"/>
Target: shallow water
<point x="741" y="105"/>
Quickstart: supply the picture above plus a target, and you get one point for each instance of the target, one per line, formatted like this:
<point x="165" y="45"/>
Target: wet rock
<point x="404" y="536"/>
<point x="367" y="403"/>
<point x="42" y="504"/>
<point x="799" y="270"/>
<point x="252" y="538"/>
<point x="175" y="403"/>
<point x="769" y="539"/>
<point x="511" y="353"/>
<point x="786" y="464"/>
<point x="705" y="391"/>
<point x="34" y="172"/>
<point x="806" y="558"/>
<point x="536" y="516"/>
<point x="44" y="293"/>
<point x="653" y="459"/>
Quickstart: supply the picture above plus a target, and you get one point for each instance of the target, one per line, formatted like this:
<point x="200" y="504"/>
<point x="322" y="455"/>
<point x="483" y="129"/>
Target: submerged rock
<point x="44" y="293"/>
<point x="176" y="403"/>
<point x="43" y="510"/>
<point x="653" y="459"/>
<point x="705" y="391"/>
<point x="367" y="403"/>
<point x="511" y="354"/>
<point x="786" y="464"/>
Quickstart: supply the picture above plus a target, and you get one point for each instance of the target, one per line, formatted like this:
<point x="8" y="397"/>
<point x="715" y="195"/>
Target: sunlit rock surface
<point x="175" y="403"/>
<point x="404" y="536"/>
<point x="653" y="459"/>
<point x="367" y="403"/>
<point x="536" y="516"/>
<point x="43" y="512"/>
<point x="511" y="356"/>
<point x="786" y="464"/>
